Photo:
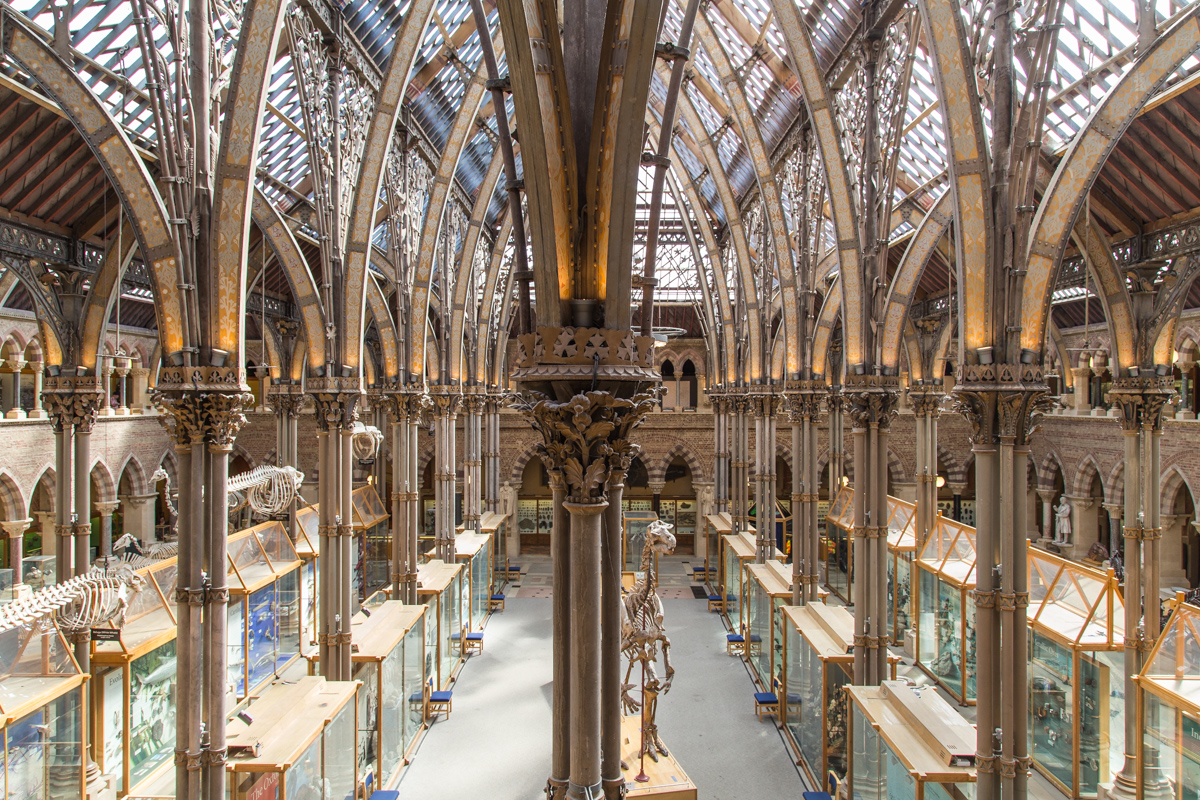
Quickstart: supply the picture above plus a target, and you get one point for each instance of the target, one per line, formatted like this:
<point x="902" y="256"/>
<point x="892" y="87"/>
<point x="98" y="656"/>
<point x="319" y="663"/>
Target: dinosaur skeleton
<point x="79" y="604"/>
<point x="164" y="494"/>
<point x="136" y="555"/>
<point x="267" y="490"/>
<point x="642" y="632"/>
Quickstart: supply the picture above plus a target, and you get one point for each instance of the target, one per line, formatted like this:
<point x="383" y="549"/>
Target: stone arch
<point x="102" y="482"/>
<point x="1114" y="485"/>
<point x="138" y="483"/>
<point x="658" y="471"/>
<point x="170" y="465"/>
<point x="518" y="469"/>
<point x="238" y="450"/>
<point x="1172" y="482"/>
<point x="1088" y="469"/>
<point x="950" y="462"/>
<point x="1050" y="465"/>
<point x="48" y="483"/>
<point x="12" y="502"/>
<point x="1187" y="343"/>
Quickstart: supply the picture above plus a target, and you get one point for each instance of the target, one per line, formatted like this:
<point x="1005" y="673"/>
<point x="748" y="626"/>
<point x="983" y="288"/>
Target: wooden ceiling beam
<point x="63" y="162"/>
<point x="32" y="163"/>
<point x="1168" y="182"/>
<point x="1135" y="185"/>
<point x="68" y="175"/>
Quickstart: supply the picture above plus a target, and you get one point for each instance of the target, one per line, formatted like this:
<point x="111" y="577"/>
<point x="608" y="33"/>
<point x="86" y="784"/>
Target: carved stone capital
<point x="15" y="529"/>
<point x="72" y="401"/>
<point x="586" y="437"/>
<point x="286" y="400"/>
<point x="474" y="403"/>
<point x="871" y="400"/>
<point x="446" y="403"/>
<point x="926" y="400"/>
<point x="337" y="401"/>
<point x="203" y="416"/>
<point x="1002" y="401"/>
<point x="804" y="400"/>
<point x="1141" y="401"/>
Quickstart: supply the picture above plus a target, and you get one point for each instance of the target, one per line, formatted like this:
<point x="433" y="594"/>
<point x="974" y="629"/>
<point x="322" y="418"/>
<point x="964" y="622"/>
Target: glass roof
<point x="1096" y="45"/>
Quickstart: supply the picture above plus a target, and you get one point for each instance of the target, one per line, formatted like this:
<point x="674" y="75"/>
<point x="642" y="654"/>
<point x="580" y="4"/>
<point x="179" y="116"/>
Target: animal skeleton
<point x="160" y="475"/>
<point x="268" y="489"/>
<point x="642" y="632"/>
<point x="81" y="603"/>
<point x="136" y="555"/>
<point x="366" y="440"/>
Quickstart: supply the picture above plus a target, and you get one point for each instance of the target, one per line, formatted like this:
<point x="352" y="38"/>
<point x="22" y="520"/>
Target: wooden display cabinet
<point x="301" y="742"/>
<point x="441" y="587"/>
<point x="474" y="552"/>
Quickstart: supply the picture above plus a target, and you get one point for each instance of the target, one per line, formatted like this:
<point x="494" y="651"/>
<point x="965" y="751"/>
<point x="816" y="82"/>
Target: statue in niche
<point x="1062" y="523"/>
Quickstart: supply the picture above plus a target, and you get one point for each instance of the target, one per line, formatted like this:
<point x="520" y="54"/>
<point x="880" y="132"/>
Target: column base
<point x="37" y="413"/>
<point x="123" y="412"/>
<point x="613" y="788"/>
<point x="556" y="789"/>
<point x="107" y="411"/>
<point x="16" y="413"/>
<point x="577" y="792"/>
<point x="1185" y="414"/>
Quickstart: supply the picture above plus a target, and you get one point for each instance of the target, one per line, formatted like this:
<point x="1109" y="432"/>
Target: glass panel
<point x="758" y="628"/>
<point x="837" y="717"/>
<point x="810" y="734"/>
<point x="338" y="758"/>
<point x="45" y="751"/>
<point x="263" y="632"/>
<point x="288" y="618"/>
<point x="275" y="542"/>
<point x="1051" y="708"/>
<point x="946" y="662"/>
<point x="899" y="783"/>
<point x="368" y="719"/>
<point x="416" y="669"/>
<point x="927" y="627"/>
<point x="867" y="778"/>
<point x="152" y="679"/>
<point x="308" y="603"/>
<point x="685" y="518"/>
<point x="839" y="570"/>
<point x="432" y="624"/>
<point x="303" y="779"/>
<point x="393" y="706"/>
<point x="237" y="646"/>
<point x="1162" y="752"/>
<point x="111" y="686"/>
<point x="733" y="586"/>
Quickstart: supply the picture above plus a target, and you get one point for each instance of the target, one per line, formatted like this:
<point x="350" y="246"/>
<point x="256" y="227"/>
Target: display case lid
<point x="434" y="576"/>
<point x="1075" y="603"/>
<point x="772" y="582"/>
<point x="149" y="618"/>
<point x="638" y="516"/>
<point x="308" y="521"/>
<point x="377" y="635"/>
<point x="491" y="521"/>
<point x="782" y="514"/>
<point x="740" y="547"/>
<point x="250" y="564"/>
<point x="1172" y="669"/>
<point x="368" y="508"/>
<point x="285" y="719"/>
<point x="841" y="509"/>
<point x="305" y="542"/>
<point x="902" y="517"/>
<point x="829" y="630"/>
<point x="468" y="543"/>
<point x="949" y="550"/>
<point x="721" y="523"/>
<point x="926" y="733"/>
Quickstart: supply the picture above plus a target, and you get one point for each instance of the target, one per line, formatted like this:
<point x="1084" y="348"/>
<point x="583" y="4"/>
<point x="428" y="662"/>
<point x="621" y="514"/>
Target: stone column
<point x="926" y="403"/>
<point x="491" y="454"/>
<point x="404" y="410"/>
<point x="803" y="410"/>
<point x="1047" y="496"/>
<point x="446" y="405"/>
<point x="37" y="412"/>
<point x="204" y="412"/>
<point x="957" y="490"/>
<point x="106" y="372"/>
<point x="139" y="398"/>
<point x="1185" y="391"/>
<point x="835" y="434"/>
<point x="764" y="473"/>
<point x="123" y="410"/>
<point x="15" y="531"/>
<point x="106" y="510"/>
<point x="72" y="402"/>
<point x="473" y="464"/>
<point x="872" y="405"/>
<point x="720" y="453"/>
<point x="584" y="439"/>
<point x="610" y="632"/>
<point x="1114" y="526"/>
<point x="45" y="526"/>
<point x="14" y="411"/>
<point x="1081" y="379"/>
<point x="337" y="403"/>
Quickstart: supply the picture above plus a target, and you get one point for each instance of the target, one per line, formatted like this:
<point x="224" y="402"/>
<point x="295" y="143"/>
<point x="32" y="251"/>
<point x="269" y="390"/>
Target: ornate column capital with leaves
<point x="1141" y="401"/>
<point x="871" y="400"/>
<point x="926" y="400"/>
<point x="286" y="400"/>
<point x="586" y="437"/>
<point x="337" y="401"/>
<point x="72" y="401"/>
<point x="803" y="400"/>
<point x="1002" y="401"/>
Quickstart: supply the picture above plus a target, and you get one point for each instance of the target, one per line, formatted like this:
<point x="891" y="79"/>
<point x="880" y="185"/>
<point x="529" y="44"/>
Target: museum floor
<point x="497" y="740"/>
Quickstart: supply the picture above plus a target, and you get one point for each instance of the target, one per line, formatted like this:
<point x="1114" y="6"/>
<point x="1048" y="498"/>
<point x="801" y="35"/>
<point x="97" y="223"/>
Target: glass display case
<point x="1170" y="706"/>
<point x="306" y="548"/>
<point x="907" y="743"/>
<point x="440" y="586"/>
<point x="38" y="572"/>
<point x="265" y="606"/>
<point x="818" y="661"/>
<point x="380" y="660"/>
<point x="497" y="525"/>
<point x="715" y="526"/>
<point x="371" y="530"/>
<point x="633" y="539"/>
<point x="300" y="743"/>
<point x="134" y="678"/>
<point x="944" y="607"/>
<point x="768" y="589"/>
<point x="783" y="523"/>
<point x="1076" y="673"/>
<point x="41" y="712"/>
<point x="474" y="552"/>
<point x="839" y="544"/>
<point x="736" y="553"/>
<point x="902" y="548"/>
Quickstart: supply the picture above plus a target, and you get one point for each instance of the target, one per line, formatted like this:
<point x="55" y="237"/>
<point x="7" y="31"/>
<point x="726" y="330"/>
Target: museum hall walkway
<point x="496" y="743"/>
